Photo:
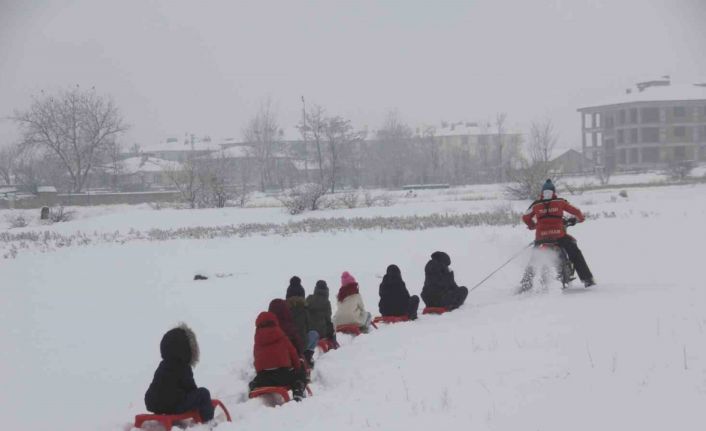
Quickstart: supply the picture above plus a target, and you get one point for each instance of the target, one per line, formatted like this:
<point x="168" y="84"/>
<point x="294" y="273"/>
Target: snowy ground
<point x="81" y="325"/>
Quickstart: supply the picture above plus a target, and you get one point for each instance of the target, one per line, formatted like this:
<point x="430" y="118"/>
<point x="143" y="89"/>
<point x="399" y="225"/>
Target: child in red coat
<point x="276" y="360"/>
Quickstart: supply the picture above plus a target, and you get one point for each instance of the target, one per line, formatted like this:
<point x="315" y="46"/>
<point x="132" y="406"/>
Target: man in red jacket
<point x="276" y="360"/>
<point x="546" y="217"/>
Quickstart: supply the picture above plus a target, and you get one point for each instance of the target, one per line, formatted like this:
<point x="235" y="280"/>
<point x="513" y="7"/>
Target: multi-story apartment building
<point x="647" y="127"/>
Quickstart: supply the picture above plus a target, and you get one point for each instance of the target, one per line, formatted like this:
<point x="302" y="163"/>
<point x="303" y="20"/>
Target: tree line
<point x="70" y="135"/>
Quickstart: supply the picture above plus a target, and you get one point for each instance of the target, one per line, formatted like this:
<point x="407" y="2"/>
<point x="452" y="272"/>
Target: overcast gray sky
<point x="205" y="66"/>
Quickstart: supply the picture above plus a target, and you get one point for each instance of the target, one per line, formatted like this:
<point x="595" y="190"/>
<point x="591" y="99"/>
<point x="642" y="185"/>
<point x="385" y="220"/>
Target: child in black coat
<point x="173" y="389"/>
<point x="440" y="288"/>
<point x="394" y="297"/>
<point x="300" y="315"/>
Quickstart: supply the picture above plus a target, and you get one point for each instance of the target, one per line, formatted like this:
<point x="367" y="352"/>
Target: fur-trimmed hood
<point x="321" y="289"/>
<point x="296" y="301"/>
<point x="180" y="344"/>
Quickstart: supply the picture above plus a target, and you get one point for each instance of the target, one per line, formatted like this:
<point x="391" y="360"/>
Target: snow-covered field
<point x="80" y="326"/>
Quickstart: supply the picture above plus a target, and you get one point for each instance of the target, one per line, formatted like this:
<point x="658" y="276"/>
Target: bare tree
<point x="186" y="178"/>
<point x="340" y="137"/>
<point x="115" y="166"/>
<point x="500" y="119"/>
<point x="35" y="168"/>
<point x="430" y="154"/>
<point x="527" y="181"/>
<point x="542" y="141"/>
<point x="9" y="157"/>
<point x="264" y="138"/>
<point x="395" y="138"/>
<point x="77" y="126"/>
<point x="313" y="130"/>
<point x="213" y="174"/>
<point x="679" y="170"/>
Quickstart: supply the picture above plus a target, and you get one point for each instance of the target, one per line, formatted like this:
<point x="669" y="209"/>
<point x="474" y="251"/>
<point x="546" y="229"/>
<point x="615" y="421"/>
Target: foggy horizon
<point x="180" y="67"/>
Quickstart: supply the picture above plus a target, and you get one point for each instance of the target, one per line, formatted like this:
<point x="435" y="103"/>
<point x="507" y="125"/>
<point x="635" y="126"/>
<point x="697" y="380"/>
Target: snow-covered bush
<point x="349" y="199"/>
<point x="58" y="215"/>
<point x="384" y="199"/>
<point x="16" y="220"/>
<point x="527" y="181"/>
<point x="303" y="197"/>
<point x="679" y="170"/>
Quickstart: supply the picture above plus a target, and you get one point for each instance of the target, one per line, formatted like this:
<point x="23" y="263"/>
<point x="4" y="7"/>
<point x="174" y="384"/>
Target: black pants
<point x="200" y="399"/>
<point x="454" y="298"/>
<point x="413" y="307"/>
<point x="288" y="377"/>
<point x="568" y="243"/>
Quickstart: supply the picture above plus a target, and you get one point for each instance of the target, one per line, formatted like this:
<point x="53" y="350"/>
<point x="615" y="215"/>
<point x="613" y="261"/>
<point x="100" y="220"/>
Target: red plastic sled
<point x="325" y="345"/>
<point x="435" y="310"/>
<point x="277" y="394"/>
<point x="167" y="421"/>
<point x="352" y="329"/>
<point x="390" y="319"/>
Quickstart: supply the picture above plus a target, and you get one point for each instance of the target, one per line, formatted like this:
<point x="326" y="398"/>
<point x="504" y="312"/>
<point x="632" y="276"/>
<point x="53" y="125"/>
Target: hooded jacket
<point x="351" y="309"/>
<point x="284" y="318"/>
<point x="174" y="377"/>
<point x="438" y="279"/>
<point x="320" y="310"/>
<point x="394" y="297"/>
<point x="300" y="315"/>
<point x="546" y="216"/>
<point x="272" y="348"/>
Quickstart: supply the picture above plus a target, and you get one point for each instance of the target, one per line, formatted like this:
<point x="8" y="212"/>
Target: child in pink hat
<point x="351" y="309"/>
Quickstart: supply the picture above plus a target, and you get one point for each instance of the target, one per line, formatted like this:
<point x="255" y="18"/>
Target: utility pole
<point x="306" y="149"/>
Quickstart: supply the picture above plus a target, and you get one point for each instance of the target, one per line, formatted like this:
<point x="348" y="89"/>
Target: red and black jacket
<point x="546" y="216"/>
<point x="272" y="348"/>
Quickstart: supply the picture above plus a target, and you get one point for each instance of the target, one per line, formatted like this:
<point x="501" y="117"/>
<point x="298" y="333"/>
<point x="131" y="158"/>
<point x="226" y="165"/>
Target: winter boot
<point x="298" y="392"/>
<point x="589" y="283"/>
<point x="309" y="356"/>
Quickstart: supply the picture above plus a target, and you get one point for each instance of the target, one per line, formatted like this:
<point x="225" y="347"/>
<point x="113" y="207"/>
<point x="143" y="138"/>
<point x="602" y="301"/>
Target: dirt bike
<point x="563" y="267"/>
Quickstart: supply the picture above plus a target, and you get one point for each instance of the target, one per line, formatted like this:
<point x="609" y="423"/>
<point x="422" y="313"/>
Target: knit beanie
<point x="548" y="185"/>
<point x="347" y="278"/>
<point x="295" y="287"/>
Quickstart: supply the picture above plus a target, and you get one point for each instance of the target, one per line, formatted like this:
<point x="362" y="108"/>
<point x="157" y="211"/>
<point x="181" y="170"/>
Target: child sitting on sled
<point x="320" y="313"/>
<point x="302" y="318"/>
<point x="351" y="309"/>
<point x="394" y="296"/>
<point x="276" y="360"/>
<point x="173" y="389"/>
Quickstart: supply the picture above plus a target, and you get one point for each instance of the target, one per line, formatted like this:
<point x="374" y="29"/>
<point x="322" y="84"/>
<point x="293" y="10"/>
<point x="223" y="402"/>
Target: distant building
<point x="572" y="162"/>
<point x="179" y="150"/>
<point x="490" y="154"/>
<point x="647" y="127"/>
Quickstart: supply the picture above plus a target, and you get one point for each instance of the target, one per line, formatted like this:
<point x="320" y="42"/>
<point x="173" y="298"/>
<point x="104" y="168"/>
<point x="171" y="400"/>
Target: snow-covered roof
<point x="134" y="165"/>
<point x="181" y="144"/>
<point x="657" y="94"/>
<point x="311" y="165"/>
<point x="236" y="152"/>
